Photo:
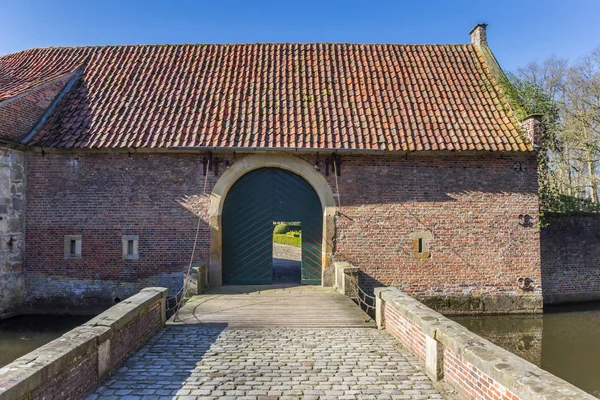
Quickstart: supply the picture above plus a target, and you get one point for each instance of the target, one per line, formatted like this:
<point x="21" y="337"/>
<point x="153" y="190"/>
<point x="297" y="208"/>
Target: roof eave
<point x="215" y="149"/>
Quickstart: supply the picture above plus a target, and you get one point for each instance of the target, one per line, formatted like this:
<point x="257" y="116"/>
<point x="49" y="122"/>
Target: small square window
<point x="130" y="247"/>
<point x="421" y="242"/>
<point x="72" y="247"/>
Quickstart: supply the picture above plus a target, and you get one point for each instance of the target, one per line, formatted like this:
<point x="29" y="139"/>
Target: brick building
<point x="113" y="157"/>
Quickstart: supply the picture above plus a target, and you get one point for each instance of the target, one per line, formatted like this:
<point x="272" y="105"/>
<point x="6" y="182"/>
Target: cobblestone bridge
<point x="286" y="343"/>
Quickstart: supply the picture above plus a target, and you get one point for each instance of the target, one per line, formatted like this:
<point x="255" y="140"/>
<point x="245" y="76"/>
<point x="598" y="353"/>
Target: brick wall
<point x="409" y="333"/>
<point x="134" y="335"/>
<point x="72" y="383"/>
<point x="461" y="374"/>
<point x="480" y="212"/>
<point x="12" y="236"/>
<point x="570" y="250"/>
<point x="70" y="366"/>
<point x="20" y="114"/>
<point x="103" y="197"/>
<point x="471" y="381"/>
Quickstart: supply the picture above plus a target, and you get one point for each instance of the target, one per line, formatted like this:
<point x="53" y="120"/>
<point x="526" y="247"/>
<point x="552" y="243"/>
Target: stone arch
<point x="292" y="164"/>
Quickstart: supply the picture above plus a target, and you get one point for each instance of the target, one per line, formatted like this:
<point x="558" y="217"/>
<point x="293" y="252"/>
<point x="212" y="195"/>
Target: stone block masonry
<point x="12" y="235"/>
<point x="475" y="367"/>
<point x="72" y="365"/>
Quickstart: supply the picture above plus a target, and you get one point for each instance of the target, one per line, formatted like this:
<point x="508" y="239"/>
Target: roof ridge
<point x="97" y="46"/>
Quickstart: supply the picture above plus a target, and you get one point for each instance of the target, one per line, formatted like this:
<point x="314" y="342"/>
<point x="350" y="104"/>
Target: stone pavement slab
<point x="273" y="306"/>
<point x="212" y="361"/>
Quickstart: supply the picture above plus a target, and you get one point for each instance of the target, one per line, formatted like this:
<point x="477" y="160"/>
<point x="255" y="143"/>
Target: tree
<point x="569" y="98"/>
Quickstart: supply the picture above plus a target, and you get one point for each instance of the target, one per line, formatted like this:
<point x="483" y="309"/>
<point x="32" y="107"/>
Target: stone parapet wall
<point x="12" y="230"/>
<point x="70" y="366"/>
<point x="475" y="367"/>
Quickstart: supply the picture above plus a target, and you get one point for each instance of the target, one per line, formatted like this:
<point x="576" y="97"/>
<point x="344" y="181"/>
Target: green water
<point x="22" y="334"/>
<point x="564" y="341"/>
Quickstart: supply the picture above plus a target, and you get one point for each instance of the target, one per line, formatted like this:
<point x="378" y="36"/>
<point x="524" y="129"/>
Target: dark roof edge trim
<point x="50" y="109"/>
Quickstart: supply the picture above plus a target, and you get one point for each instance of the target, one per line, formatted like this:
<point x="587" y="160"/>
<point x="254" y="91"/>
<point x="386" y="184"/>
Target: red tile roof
<point x="310" y="96"/>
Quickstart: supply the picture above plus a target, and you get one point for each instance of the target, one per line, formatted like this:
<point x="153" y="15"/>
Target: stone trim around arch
<point x="292" y="164"/>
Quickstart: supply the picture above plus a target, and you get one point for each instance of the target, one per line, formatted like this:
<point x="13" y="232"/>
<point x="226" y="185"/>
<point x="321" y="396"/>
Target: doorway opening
<point x="287" y="252"/>
<point x="252" y="204"/>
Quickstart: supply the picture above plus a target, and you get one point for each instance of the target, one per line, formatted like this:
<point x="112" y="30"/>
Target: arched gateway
<point x="252" y="205"/>
<point x="248" y="198"/>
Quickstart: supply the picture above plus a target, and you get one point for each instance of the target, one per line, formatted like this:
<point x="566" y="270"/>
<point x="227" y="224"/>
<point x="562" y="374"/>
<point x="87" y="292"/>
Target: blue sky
<point x="519" y="31"/>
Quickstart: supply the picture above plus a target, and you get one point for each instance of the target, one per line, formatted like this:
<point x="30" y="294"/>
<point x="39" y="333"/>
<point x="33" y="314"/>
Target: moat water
<point x="25" y="333"/>
<point x="565" y="341"/>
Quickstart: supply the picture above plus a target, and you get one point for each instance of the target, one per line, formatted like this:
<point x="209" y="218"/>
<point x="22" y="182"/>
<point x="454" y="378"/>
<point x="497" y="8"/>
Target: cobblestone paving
<point x="200" y="362"/>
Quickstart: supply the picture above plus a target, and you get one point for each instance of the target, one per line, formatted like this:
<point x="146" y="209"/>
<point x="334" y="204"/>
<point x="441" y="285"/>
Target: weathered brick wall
<point x="20" y="114"/>
<point x="570" y="250"/>
<point x="471" y="381"/>
<point x="101" y="198"/>
<point x="471" y="205"/>
<point x="406" y="331"/>
<point x="481" y="211"/>
<point x="134" y="335"/>
<point x="12" y="219"/>
<point x="72" y="383"/>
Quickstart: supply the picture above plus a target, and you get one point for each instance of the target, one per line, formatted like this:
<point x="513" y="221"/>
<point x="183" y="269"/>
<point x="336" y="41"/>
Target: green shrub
<point x="280" y="228"/>
<point x="288" y="227"/>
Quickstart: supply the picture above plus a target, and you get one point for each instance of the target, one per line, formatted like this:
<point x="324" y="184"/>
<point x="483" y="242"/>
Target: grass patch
<point x="287" y="239"/>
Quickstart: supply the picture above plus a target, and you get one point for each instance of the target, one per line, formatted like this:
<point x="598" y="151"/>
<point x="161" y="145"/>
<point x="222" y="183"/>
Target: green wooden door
<point x="252" y="204"/>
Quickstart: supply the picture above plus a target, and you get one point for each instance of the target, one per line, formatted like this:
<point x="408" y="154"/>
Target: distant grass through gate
<point x="283" y="238"/>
